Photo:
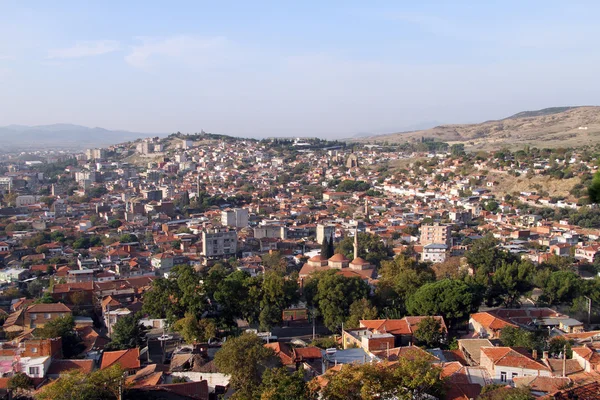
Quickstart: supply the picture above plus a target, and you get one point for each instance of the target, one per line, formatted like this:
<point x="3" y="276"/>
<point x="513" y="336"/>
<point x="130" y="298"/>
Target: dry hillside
<point x="543" y="128"/>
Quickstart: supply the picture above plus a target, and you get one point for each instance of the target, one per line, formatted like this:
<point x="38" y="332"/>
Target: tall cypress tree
<point x="325" y="247"/>
<point x="330" y="248"/>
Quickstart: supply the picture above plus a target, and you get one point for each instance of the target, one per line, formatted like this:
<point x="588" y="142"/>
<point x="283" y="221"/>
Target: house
<point x="471" y="349"/>
<point x="588" y="358"/>
<point x="587" y="391"/>
<point x="162" y="261"/>
<point x="13" y="275"/>
<point x="172" y="391"/>
<point x="385" y="332"/>
<point x="488" y="325"/>
<point x="435" y="253"/>
<point x="32" y="348"/>
<point x="37" y="315"/>
<point x="80" y="275"/>
<point x="561" y="249"/>
<point x="73" y="293"/>
<point x="587" y="253"/>
<point x="61" y="367"/>
<point x="505" y="363"/>
<point x="35" y="367"/>
<point x="542" y="385"/>
<point x="128" y="360"/>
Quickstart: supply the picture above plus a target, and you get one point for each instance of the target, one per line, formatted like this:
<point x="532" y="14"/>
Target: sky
<point x="330" y="69"/>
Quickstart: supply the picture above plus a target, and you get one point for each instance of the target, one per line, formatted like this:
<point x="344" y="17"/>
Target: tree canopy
<point x="406" y="380"/>
<point x="450" y="298"/>
<point x="245" y="359"/>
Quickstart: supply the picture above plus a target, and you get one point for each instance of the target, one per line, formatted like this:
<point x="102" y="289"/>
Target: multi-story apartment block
<point x="436" y="234"/>
<point x="219" y="242"/>
<point x="237" y="217"/>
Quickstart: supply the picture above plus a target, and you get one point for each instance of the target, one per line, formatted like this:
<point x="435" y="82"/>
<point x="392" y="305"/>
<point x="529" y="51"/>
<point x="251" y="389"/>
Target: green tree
<point x="561" y="287"/>
<point x="512" y="280"/>
<point x="278" y="293"/>
<point x="57" y="327"/>
<point x="485" y="256"/>
<point x="450" y="298"/>
<point x="274" y="262"/>
<point x="406" y="380"/>
<point x="335" y="293"/>
<point x="280" y="384"/>
<point x="190" y="294"/>
<point x="506" y="393"/>
<point x="128" y="238"/>
<point x="159" y="301"/>
<point x="429" y="332"/>
<point x="361" y="309"/>
<point x="325" y="247"/>
<point x="245" y="359"/>
<point x="20" y="382"/>
<point x="103" y="384"/>
<point x="193" y="330"/>
<point x="114" y="223"/>
<point x="557" y="345"/>
<point x="400" y="278"/>
<point x="516" y="337"/>
<point x="239" y="295"/>
<point x="126" y="333"/>
<point x="370" y="248"/>
<point x="594" y="189"/>
<point x="63" y="328"/>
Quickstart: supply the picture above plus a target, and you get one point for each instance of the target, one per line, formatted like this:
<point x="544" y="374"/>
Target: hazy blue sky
<point x="318" y="68"/>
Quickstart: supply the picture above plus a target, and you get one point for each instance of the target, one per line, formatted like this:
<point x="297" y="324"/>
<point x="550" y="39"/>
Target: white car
<point x="165" y="337"/>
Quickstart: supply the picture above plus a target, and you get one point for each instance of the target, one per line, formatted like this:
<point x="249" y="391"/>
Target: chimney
<point x="534" y="354"/>
<point x="545" y="355"/>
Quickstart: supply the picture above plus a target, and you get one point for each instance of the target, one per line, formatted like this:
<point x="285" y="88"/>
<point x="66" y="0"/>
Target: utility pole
<point x="589" y="310"/>
<point x="313" y="324"/>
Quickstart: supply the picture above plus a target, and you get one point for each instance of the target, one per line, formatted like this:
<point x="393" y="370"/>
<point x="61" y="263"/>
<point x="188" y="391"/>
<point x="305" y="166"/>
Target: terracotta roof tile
<point x="127" y="359"/>
<point x="61" y="366"/>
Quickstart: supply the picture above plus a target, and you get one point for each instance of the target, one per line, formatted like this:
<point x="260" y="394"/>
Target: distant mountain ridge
<point x="542" y="112"/>
<point x="63" y="136"/>
<point x="572" y="126"/>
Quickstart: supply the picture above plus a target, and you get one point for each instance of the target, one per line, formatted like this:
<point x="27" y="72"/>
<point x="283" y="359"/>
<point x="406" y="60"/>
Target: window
<point x="34" y="349"/>
<point x="34" y="371"/>
<point x="47" y="315"/>
<point x="33" y="316"/>
<point x="503" y="376"/>
<point x="514" y="375"/>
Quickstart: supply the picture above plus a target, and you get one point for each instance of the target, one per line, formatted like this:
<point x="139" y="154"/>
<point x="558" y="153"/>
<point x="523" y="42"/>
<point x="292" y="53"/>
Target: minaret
<point x="356" y="242"/>
<point x="198" y="185"/>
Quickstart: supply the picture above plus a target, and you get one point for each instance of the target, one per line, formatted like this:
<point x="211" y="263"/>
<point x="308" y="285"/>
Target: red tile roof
<point x="127" y="359"/>
<point x="48" y="308"/>
<point x="61" y="366"/>
<point x="509" y="357"/>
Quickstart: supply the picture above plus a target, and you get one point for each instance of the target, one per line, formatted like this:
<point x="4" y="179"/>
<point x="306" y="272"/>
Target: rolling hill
<point x="550" y="127"/>
<point x="62" y="136"/>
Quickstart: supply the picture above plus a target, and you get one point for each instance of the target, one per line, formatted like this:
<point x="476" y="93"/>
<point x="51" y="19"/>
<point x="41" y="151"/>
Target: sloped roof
<point x="127" y="359"/>
<point x="546" y="384"/>
<point x="490" y="321"/>
<point x="61" y="366"/>
<point x="585" y="392"/>
<point x="283" y="351"/>
<point x="307" y="353"/>
<point x="509" y="357"/>
<point x="48" y="308"/>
